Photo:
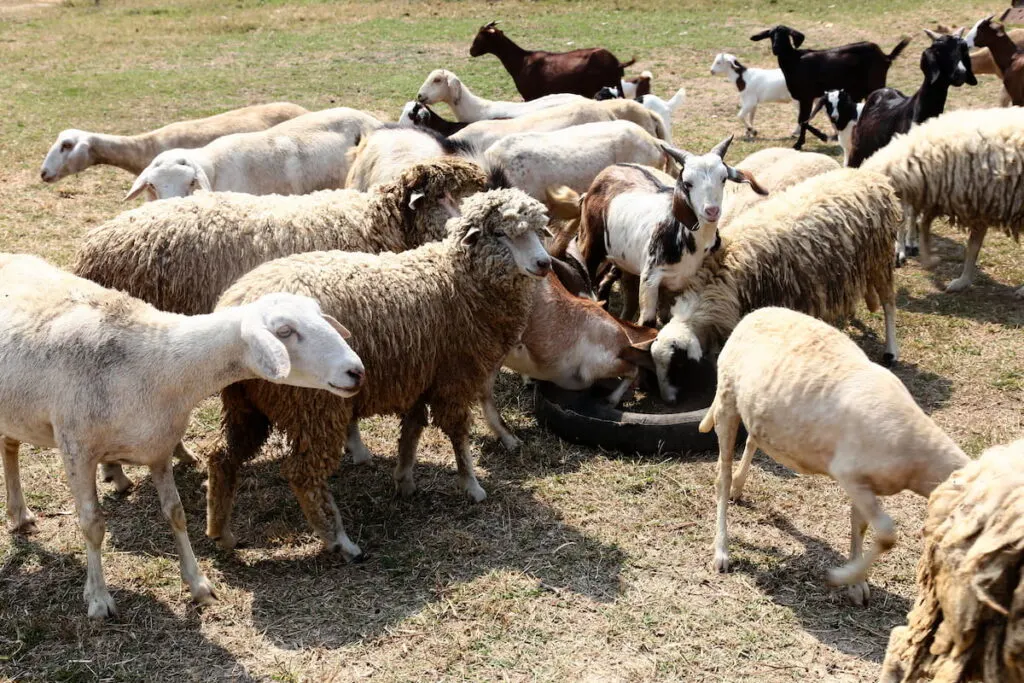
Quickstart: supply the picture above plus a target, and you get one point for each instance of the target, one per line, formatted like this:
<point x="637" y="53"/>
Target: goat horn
<point x="722" y="147"/>
<point x="932" y="34"/>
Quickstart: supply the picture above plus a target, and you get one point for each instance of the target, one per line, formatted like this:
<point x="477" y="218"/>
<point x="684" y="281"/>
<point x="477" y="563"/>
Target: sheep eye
<point x="66" y="145"/>
<point x="284" y="332"/>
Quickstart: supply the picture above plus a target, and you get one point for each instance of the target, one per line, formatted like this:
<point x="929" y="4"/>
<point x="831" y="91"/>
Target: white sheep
<point x="76" y="150"/>
<point x="967" y="165"/>
<point x="432" y="325"/>
<point x="299" y="156"/>
<point x="383" y="155"/>
<point x="573" y="157"/>
<point x="755" y="86"/>
<point x="107" y="378"/>
<point x="810" y="398"/>
<point x="442" y="85"/>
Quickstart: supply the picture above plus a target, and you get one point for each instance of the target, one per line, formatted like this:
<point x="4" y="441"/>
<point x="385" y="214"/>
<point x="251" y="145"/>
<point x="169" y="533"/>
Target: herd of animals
<point x="316" y="268"/>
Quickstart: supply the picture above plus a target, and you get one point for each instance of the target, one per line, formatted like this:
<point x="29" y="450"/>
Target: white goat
<point x="444" y="86"/>
<point x="299" y="156"/>
<point x="814" y="402"/>
<point x="665" y="108"/>
<point x="754" y="85"/>
<point x="107" y="378"/>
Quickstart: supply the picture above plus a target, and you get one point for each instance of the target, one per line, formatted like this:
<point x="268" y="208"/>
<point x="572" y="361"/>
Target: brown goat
<point x="1009" y="58"/>
<point x="539" y="73"/>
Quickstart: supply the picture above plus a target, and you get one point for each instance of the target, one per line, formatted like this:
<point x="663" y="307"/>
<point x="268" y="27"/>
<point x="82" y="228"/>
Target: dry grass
<point x="581" y="564"/>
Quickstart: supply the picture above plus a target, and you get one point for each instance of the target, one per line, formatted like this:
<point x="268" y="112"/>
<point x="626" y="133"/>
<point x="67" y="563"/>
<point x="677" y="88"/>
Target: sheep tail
<point x="898" y="49"/>
<point x="708" y="423"/>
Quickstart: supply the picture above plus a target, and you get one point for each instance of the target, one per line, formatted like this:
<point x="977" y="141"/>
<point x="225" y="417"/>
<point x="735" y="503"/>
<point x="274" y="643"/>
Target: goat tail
<point x="677" y="100"/>
<point x="628" y="64"/>
<point x="900" y="46"/>
<point x="708" y="423"/>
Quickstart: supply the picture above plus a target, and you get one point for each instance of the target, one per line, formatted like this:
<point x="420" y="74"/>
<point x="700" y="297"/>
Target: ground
<point x="581" y="564"/>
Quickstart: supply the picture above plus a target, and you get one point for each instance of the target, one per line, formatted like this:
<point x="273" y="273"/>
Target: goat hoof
<point x="203" y="593"/>
<point x="24" y="525"/>
<point x="957" y="285"/>
<point x="404" y="488"/>
<point x="101" y="605"/>
<point x="226" y="541"/>
<point x="475" y="492"/>
<point x="183" y="455"/>
<point x="888" y="359"/>
<point x="859" y="593"/>
<point x="721" y="562"/>
<point x="913" y="251"/>
<point x="511" y="443"/>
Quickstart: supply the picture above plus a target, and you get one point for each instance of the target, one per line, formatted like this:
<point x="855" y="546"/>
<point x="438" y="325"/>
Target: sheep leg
<point x="453" y="418"/>
<point x="859" y="593"/>
<point x="970" y="261"/>
<point x="740" y="480"/>
<point x="892" y="350"/>
<point x="355" y="446"/>
<point x="903" y="235"/>
<point x="864" y="499"/>
<point x="413" y="423"/>
<point x="20" y="518"/>
<point x="112" y="472"/>
<point x="926" y="258"/>
<point x="493" y="416"/>
<point x="81" y="472"/>
<point x="308" y="480"/>
<point x="726" y="428"/>
<point x="629" y="286"/>
<point x="170" y="504"/>
<point x="244" y="431"/>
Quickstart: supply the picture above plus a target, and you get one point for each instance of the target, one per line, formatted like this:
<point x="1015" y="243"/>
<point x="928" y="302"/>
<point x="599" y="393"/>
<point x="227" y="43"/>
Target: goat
<point x="663" y="108"/>
<point x="635" y="87"/>
<point x="754" y="85"/>
<point x="888" y="112"/>
<point x="419" y="114"/>
<point x="539" y="73"/>
<point x="857" y="68"/>
<point x="442" y="85"/>
<point x="1005" y="53"/>
<point x="843" y="111"/>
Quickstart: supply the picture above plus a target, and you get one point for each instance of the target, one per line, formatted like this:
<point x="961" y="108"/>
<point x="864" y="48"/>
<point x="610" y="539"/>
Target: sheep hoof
<point x="25" y="525"/>
<point x="735" y="494"/>
<point x="183" y="455"/>
<point x="721" y="562"/>
<point x="859" y="593"/>
<point x="203" y="593"/>
<point x="361" y="457"/>
<point x="913" y="251"/>
<point x="511" y="443"/>
<point x="476" y="492"/>
<point x="958" y="285"/>
<point x="115" y="475"/>
<point x="404" y="488"/>
<point x="101" y="605"/>
<point x="226" y="541"/>
<point x="888" y="359"/>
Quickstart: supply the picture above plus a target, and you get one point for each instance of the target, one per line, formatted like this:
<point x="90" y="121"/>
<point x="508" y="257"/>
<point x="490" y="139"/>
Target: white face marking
<point x="833" y="104"/>
<point x="170" y="174"/>
<point x="972" y="35"/>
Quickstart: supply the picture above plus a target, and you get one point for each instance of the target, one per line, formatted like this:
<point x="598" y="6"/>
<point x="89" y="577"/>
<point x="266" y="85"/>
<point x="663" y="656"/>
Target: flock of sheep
<point x="316" y="268"/>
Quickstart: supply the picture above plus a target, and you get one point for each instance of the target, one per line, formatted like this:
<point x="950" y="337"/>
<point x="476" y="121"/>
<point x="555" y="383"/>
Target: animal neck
<point x="737" y="73"/>
<point x="469" y="106"/>
<point x="1002" y="48"/>
<point x="930" y="99"/>
<point x="132" y="153"/>
<point x="510" y="54"/>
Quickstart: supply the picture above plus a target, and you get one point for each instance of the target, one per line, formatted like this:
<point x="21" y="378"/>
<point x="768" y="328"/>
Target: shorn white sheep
<point x="818" y="247"/>
<point x="967" y="165"/>
<point x="442" y="85"/>
<point x="432" y="325"/>
<point x="76" y="150"/>
<point x="383" y="155"/>
<point x="107" y="378"/>
<point x="968" y="621"/>
<point x="813" y="401"/>
<point x="303" y="155"/>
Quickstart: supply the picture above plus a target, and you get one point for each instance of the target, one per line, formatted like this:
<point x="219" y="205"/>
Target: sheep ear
<point x="762" y="35"/>
<point x="639" y="354"/>
<point x="678" y="154"/>
<point x="455" y="87"/>
<point x="722" y="147"/>
<point x="138" y="187"/>
<point x="414" y="198"/>
<point x="471" y="237"/>
<point x="738" y="175"/>
<point x="269" y="356"/>
<point x="341" y="329"/>
<point x="798" y="38"/>
<point x="201" y="177"/>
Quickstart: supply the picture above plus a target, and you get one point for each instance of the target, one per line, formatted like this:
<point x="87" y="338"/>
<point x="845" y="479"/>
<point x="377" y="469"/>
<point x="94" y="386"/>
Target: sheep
<point x="539" y="73"/>
<point x="966" y="621"/>
<point x="483" y="134"/>
<point x="754" y="85"/>
<point x="967" y="165"/>
<point x="816" y="248"/>
<point x="105" y="377"/>
<point x="76" y="150"/>
<point x="1008" y="57"/>
<point x="810" y="398"/>
<point x="888" y="112"/>
<point x="442" y="85"/>
<point x="660" y="108"/>
<point x="654" y="227"/>
<point x="843" y="112"/>
<point x="431" y="326"/>
<point x="381" y="157"/>
<point x="572" y="157"/>
<point x="858" y="68"/>
<point x="295" y="157"/>
<point x="776" y="169"/>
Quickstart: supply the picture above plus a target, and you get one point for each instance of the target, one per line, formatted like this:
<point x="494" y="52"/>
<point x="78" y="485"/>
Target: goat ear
<point x="202" y="178"/>
<point x="722" y="147"/>
<point x="738" y="175"/>
<point x="268" y="356"/>
<point x="455" y="88"/>
<point x="762" y="35"/>
<point x="471" y="237"/>
<point x="415" y="197"/>
<point x="798" y="38"/>
<point x="138" y="187"/>
<point x="342" y="330"/>
<point x="678" y="154"/>
<point x="639" y="354"/>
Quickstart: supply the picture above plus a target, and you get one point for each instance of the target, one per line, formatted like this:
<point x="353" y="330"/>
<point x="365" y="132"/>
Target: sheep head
<point x="504" y="227"/>
<point x="70" y="154"/>
<point x="174" y="173"/>
<point x="429" y="193"/>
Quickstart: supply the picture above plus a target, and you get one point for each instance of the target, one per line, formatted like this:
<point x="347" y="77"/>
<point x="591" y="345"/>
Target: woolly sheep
<point x="382" y="156"/>
<point x="966" y="624"/>
<point x="776" y="169"/>
<point x="107" y="378"/>
<point x="295" y="157"/>
<point x="817" y="247"/>
<point x="967" y="165"/>
<point x="442" y="85"/>
<point x="810" y="398"/>
<point x="76" y="150"/>
<point x="431" y="325"/>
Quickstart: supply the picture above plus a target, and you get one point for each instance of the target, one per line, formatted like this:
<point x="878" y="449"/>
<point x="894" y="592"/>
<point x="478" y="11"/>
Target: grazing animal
<point x="383" y="156"/>
<point x="107" y="378"/>
<point x="857" y="68"/>
<point x="810" y="398"/>
<point x="1005" y="53"/>
<point x="888" y="112"/>
<point x="442" y="85"/>
<point x="417" y="114"/>
<point x="843" y="112"/>
<point x="539" y="73"/>
<point x="754" y="85"/>
<point x="432" y="326"/>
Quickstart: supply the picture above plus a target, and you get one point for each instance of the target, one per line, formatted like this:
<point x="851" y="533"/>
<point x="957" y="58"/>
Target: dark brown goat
<point x="539" y="73"/>
<point x="1005" y="53"/>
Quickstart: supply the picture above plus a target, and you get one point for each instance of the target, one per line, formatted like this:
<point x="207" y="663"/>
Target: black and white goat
<point x="754" y="85"/>
<point x="419" y="114"/>
<point x="888" y="112"/>
<point x="843" y="111"/>
<point x="857" y="68"/>
<point x="654" y="227"/>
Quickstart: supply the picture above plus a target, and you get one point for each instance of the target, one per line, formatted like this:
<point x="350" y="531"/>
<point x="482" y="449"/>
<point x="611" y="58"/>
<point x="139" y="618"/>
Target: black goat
<point x="857" y="68"/>
<point x="422" y="116"/>
<point x="887" y="111"/>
